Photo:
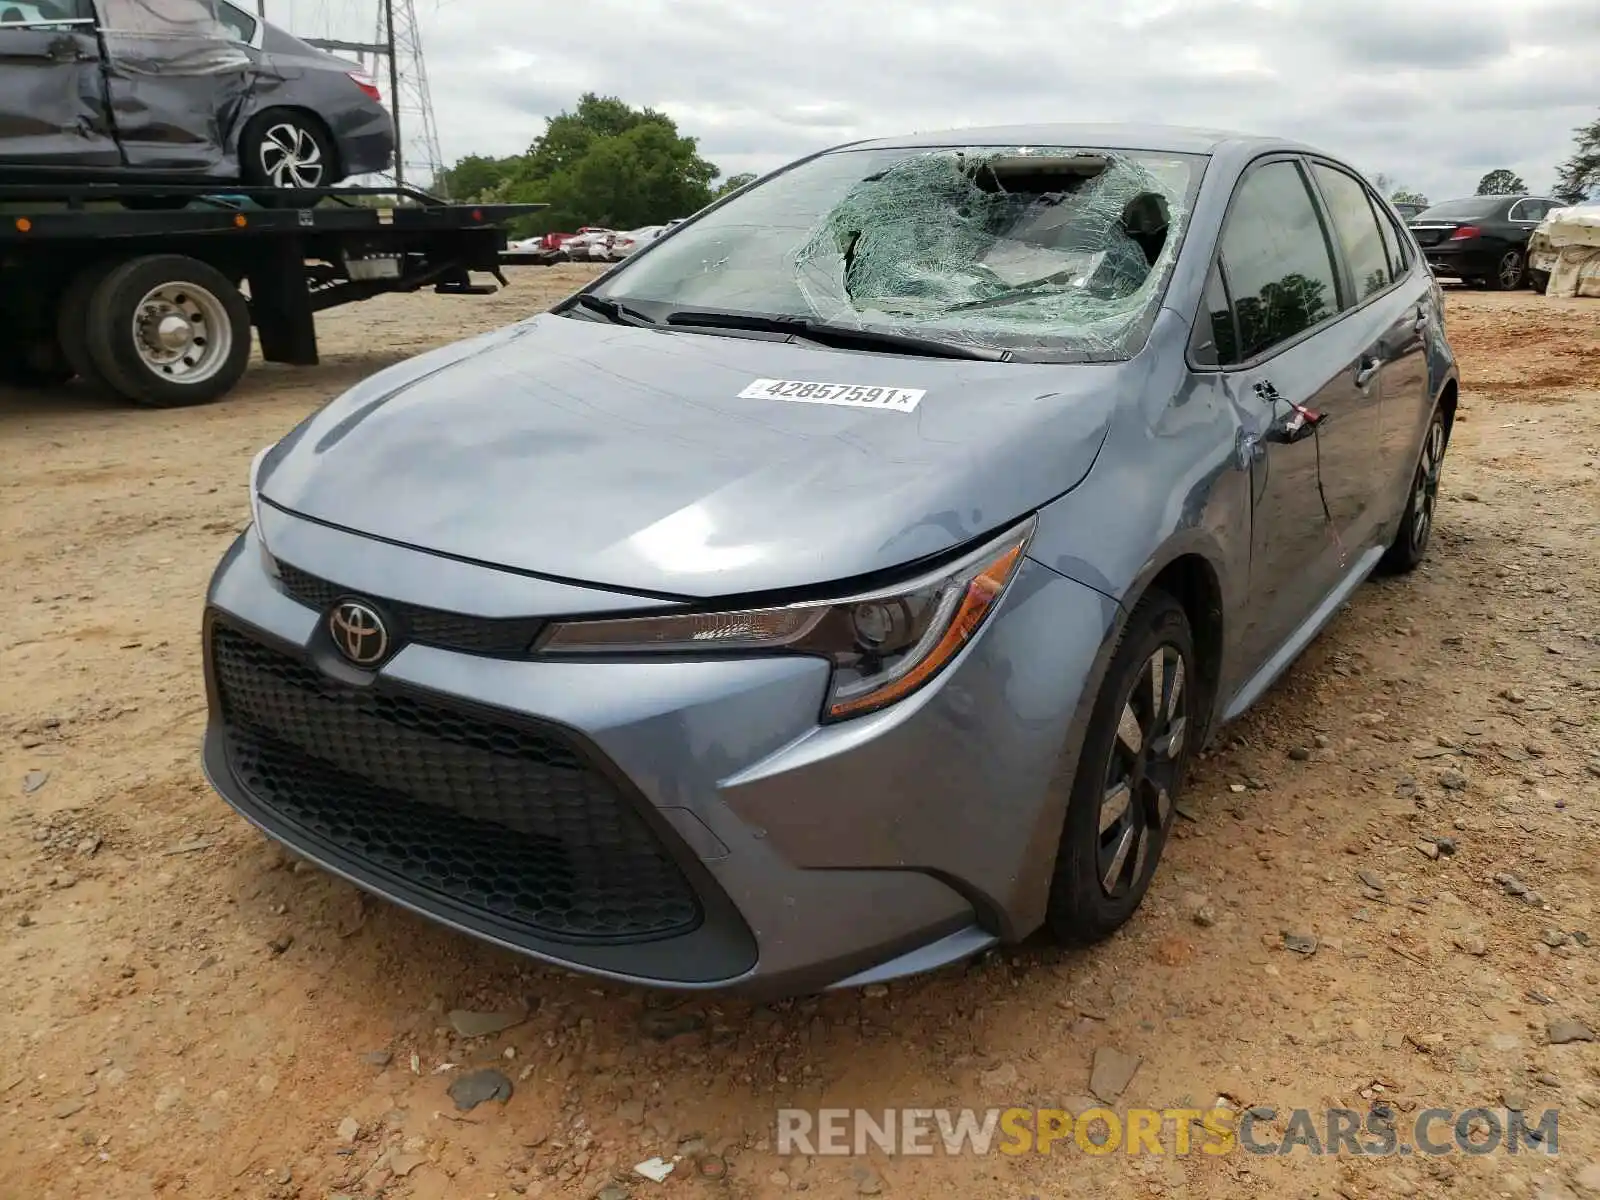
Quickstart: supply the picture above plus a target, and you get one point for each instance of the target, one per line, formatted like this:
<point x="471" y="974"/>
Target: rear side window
<point x="1279" y="265"/>
<point x="1357" y="229"/>
<point x="1394" y="243"/>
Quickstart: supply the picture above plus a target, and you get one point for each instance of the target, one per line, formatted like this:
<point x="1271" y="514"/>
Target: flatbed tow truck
<point x="150" y="292"/>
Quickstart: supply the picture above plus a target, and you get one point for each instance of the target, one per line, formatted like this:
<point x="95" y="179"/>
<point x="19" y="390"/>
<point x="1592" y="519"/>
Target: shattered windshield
<point x="1039" y="250"/>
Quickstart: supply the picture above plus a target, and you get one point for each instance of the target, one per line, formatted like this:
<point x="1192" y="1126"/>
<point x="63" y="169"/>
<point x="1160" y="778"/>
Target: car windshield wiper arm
<point x="846" y="335"/>
<point x="616" y="311"/>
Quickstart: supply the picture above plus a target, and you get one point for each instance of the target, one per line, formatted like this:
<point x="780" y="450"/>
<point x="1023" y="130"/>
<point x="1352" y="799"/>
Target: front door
<point x="177" y="81"/>
<point x="52" y="99"/>
<point x="1292" y="353"/>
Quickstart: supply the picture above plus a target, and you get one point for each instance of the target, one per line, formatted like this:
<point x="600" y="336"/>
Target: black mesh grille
<point x="429" y="626"/>
<point x="484" y="813"/>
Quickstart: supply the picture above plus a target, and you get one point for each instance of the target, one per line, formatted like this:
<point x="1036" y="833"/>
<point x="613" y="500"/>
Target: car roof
<point x="1170" y="139"/>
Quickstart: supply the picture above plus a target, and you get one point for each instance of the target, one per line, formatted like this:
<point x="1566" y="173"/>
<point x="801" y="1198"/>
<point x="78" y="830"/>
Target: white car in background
<point x="625" y="244"/>
<point x="591" y="244"/>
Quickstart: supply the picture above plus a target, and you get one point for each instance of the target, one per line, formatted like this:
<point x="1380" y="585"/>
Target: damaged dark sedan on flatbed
<point x="842" y="584"/>
<point x="166" y="91"/>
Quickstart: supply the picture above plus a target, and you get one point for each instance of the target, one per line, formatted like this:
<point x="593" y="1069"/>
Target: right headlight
<point x="883" y="645"/>
<point x="268" y="563"/>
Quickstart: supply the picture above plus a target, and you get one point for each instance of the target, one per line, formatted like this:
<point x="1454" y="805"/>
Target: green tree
<point x="734" y="182"/>
<point x="1501" y="182"/>
<point x="1579" y="176"/>
<point x="601" y="163"/>
<point x="475" y="175"/>
<point x="1403" y="195"/>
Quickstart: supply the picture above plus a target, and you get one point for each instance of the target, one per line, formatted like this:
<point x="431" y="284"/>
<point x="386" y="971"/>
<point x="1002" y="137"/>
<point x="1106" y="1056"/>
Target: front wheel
<point x="281" y="148"/>
<point x="1410" y="543"/>
<point x="1135" y="755"/>
<point x="1539" y="281"/>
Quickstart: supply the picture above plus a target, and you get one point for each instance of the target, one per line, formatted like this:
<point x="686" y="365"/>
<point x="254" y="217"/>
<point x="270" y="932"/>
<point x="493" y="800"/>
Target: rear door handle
<point x="64" y="50"/>
<point x="1422" y="319"/>
<point x="1366" y="368"/>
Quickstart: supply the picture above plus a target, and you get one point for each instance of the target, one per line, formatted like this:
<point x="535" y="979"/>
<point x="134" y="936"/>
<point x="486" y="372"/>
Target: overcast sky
<point x="1432" y="93"/>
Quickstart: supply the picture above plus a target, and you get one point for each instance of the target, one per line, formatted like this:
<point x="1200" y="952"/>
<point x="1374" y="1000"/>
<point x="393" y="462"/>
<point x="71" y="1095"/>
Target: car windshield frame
<point x="925" y="213"/>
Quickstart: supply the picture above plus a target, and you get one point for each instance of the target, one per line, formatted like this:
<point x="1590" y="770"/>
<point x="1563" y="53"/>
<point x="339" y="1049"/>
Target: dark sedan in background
<point x="178" y="90"/>
<point x="1481" y="240"/>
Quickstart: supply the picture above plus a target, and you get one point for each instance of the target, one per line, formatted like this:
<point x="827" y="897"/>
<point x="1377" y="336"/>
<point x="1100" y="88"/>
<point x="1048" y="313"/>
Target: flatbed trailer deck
<point x="151" y="292"/>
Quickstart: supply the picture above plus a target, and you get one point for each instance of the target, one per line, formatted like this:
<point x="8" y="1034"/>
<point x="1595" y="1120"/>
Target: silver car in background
<point x="843" y="584"/>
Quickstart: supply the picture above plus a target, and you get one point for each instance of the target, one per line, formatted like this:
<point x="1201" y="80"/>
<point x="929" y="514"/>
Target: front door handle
<point x="64" y="50"/>
<point x="1366" y="367"/>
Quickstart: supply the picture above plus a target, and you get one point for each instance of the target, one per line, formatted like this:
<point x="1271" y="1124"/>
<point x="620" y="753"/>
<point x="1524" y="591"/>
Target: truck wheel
<point x="33" y="362"/>
<point x="72" y="325"/>
<point x="168" y="331"/>
<point x="1539" y="281"/>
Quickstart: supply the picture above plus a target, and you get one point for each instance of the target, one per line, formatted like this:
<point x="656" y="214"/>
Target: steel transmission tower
<point x="418" y="153"/>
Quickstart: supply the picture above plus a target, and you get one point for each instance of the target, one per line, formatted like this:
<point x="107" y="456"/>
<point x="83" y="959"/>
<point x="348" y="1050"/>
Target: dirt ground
<point x="185" y="1012"/>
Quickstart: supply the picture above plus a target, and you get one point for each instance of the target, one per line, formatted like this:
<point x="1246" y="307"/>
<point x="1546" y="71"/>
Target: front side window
<point x="1280" y="266"/>
<point x="1046" y="252"/>
<point x="1357" y="228"/>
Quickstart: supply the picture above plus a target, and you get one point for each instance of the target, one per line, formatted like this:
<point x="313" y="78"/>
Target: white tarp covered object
<point x="1567" y="246"/>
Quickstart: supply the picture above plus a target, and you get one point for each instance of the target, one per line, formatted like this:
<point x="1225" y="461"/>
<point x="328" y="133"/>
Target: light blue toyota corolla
<point x="842" y="584"/>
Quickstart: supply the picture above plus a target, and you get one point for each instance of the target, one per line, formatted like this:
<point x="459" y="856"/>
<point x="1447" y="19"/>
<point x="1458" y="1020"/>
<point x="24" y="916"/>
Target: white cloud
<point x="1432" y="93"/>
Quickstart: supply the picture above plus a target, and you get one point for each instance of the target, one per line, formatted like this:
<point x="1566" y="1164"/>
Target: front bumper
<point x="685" y="824"/>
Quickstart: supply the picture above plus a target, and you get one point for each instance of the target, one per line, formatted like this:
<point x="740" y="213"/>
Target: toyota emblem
<point x="359" y="633"/>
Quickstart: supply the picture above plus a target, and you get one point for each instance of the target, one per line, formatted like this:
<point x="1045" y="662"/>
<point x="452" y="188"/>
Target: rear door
<point x="52" y="103"/>
<point x="178" y="83"/>
<point x="1390" y="307"/>
<point x="1407" y="390"/>
<point x="1312" y="506"/>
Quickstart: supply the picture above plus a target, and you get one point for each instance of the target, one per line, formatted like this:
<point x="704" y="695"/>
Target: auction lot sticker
<point x="890" y="399"/>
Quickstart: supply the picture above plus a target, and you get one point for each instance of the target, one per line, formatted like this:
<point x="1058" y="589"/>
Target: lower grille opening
<point x="476" y="810"/>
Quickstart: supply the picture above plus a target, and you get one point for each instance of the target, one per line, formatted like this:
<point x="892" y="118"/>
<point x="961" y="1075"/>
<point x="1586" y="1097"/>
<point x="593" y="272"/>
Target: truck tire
<point x="167" y="331"/>
<point x="72" y="325"/>
<point x="33" y="362"/>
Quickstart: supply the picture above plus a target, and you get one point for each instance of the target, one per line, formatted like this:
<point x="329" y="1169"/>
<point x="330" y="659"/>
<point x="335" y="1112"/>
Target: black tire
<point x="1410" y="543"/>
<point x="212" y="314"/>
<point x="1508" y="272"/>
<point x="72" y="325"/>
<point x="1148" y="778"/>
<point x="1539" y="281"/>
<point x="275" y="140"/>
<point x="33" y="363"/>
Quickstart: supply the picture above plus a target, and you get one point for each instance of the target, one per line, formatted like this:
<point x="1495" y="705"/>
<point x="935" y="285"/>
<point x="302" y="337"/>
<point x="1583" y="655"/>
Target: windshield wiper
<point x="614" y="310"/>
<point x="840" y="335"/>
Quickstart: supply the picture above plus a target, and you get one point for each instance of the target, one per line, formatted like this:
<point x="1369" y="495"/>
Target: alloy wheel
<point x="1142" y="776"/>
<point x="1425" y="491"/>
<point x="291" y="157"/>
<point x="181" y="332"/>
<point x="1510" y="270"/>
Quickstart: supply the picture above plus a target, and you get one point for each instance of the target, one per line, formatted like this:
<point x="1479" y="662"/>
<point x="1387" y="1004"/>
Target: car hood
<point x="626" y="457"/>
